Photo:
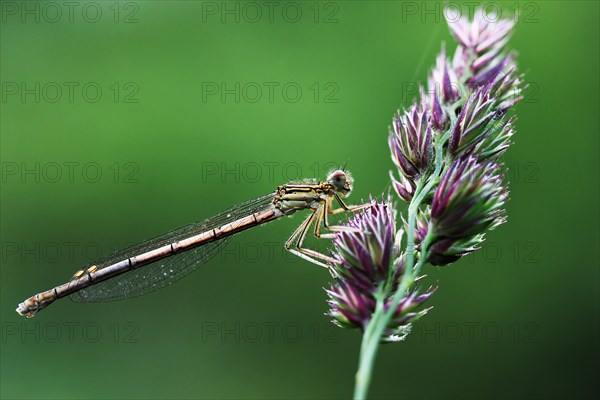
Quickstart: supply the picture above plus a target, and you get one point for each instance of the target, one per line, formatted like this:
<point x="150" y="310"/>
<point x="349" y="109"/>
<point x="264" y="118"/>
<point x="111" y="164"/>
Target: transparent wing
<point x="166" y="271"/>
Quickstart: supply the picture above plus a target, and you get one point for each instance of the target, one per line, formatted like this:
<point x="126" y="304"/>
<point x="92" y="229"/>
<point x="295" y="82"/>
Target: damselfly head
<point x="341" y="181"/>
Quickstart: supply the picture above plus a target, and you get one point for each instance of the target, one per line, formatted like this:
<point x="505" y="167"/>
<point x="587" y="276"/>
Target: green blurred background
<point x="171" y="139"/>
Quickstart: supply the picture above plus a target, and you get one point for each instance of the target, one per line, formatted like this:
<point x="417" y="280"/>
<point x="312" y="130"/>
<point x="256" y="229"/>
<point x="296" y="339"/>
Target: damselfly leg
<point x="319" y="216"/>
<point x="330" y="211"/>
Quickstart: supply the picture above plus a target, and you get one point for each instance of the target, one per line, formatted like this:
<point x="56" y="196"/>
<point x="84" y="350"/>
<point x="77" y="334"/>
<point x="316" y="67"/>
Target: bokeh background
<point x="122" y="120"/>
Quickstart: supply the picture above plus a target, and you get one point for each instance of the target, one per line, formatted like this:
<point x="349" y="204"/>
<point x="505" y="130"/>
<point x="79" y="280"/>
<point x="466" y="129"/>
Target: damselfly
<point x="162" y="260"/>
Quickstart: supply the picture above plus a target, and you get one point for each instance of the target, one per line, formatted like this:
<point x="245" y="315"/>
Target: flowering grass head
<point x="481" y="53"/>
<point x="469" y="199"/>
<point x="367" y="264"/>
<point x="411" y="145"/>
<point x="468" y="202"/>
<point x="363" y="255"/>
<point x="446" y="148"/>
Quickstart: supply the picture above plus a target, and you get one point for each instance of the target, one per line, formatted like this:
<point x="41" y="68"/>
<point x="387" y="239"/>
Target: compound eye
<point x="338" y="179"/>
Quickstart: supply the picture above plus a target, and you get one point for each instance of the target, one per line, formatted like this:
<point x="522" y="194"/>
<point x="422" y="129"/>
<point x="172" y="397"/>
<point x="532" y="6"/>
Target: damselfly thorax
<point x="162" y="260"/>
